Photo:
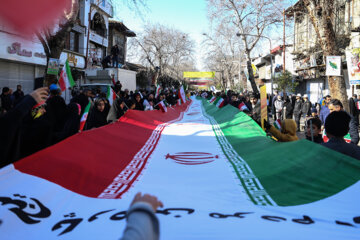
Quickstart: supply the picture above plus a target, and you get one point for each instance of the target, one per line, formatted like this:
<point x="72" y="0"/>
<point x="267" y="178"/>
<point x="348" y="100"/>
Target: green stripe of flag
<point x="292" y="173"/>
<point x="69" y="75"/>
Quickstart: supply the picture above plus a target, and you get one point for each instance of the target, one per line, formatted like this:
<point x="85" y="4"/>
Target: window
<point x="98" y="25"/>
<point x="72" y="41"/>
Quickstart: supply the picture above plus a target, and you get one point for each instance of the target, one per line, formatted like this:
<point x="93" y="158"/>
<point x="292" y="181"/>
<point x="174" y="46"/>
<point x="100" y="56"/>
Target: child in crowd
<point x="287" y="133"/>
<point x="313" y="130"/>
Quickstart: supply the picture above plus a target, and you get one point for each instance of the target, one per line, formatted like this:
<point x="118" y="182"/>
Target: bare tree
<point x="249" y="18"/>
<point x="53" y="39"/>
<point x="164" y="47"/>
<point x="322" y="15"/>
<point x="222" y="50"/>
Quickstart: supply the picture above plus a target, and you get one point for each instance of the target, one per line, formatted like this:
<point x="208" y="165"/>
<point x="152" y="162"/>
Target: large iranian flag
<point x="217" y="173"/>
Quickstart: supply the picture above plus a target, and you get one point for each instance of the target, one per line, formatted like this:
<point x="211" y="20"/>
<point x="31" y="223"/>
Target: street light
<point x="271" y="61"/>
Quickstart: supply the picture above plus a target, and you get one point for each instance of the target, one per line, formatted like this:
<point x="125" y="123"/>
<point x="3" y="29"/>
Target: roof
<point x="134" y="66"/>
<point x="297" y="7"/>
<point x="120" y="26"/>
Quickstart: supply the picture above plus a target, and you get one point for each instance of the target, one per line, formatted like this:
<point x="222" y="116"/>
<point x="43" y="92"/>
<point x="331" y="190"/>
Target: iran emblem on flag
<point x="111" y="95"/>
<point x="182" y="94"/>
<point x="220" y="103"/>
<point x="66" y="80"/>
<point x="242" y="106"/>
<point x="162" y="106"/>
<point x="84" y="116"/>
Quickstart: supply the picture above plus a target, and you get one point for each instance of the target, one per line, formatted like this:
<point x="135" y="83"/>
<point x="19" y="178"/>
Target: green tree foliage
<point x="286" y="82"/>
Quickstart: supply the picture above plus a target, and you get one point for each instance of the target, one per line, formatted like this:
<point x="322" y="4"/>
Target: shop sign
<point x="353" y="65"/>
<point x="333" y="66"/>
<point x="74" y="60"/>
<point x="22" y="51"/>
<point x="53" y="66"/>
<point x="354" y="82"/>
<point x="98" y="39"/>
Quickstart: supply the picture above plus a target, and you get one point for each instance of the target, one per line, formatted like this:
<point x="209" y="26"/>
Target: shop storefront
<point x="21" y="62"/>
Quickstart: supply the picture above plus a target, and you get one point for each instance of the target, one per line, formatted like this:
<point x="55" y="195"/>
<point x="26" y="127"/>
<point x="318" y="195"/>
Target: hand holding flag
<point x="66" y="80"/>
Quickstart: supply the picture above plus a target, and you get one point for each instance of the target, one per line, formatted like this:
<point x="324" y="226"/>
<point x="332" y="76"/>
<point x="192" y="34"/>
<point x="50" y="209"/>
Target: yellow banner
<point x="263" y="101"/>
<point x="199" y="74"/>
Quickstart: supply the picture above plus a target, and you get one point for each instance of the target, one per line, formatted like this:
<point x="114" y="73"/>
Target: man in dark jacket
<point x="354" y="112"/>
<point x="298" y="110"/>
<point x="106" y="62"/>
<point x="255" y="112"/>
<point x="336" y="106"/>
<point x="6" y="103"/>
<point x="306" y="107"/>
<point x="10" y="126"/>
<point x="289" y="108"/>
<point x="336" y="127"/>
<point x="18" y="94"/>
<point x="115" y="51"/>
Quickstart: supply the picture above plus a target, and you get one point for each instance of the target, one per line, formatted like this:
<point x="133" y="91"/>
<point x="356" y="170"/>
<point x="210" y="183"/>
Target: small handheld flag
<point x="277" y="124"/>
<point x="66" y="80"/>
<point x="84" y="117"/>
<point x="111" y="95"/>
<point x="220" y="103"/>
<point x="242" y="106"/>
<point x="158" y="89"/>
<point x="182" y="94"/>
<point x="347" y="138"/>
<point x="162" y="106"/>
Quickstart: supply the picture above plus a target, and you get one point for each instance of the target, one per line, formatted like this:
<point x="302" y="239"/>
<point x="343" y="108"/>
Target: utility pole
<point x="88" y="37"/>
<point x="284" y="44"/>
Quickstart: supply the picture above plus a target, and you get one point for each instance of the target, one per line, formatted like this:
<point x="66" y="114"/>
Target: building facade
<point x="263" y="65"/>
<point x="309" y="61"/>
<point x="23" y="60"/>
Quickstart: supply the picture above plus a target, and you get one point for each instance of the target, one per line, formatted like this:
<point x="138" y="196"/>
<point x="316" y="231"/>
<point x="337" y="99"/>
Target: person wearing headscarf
<point x="11" y="123"/>
<point x="36" y="131"/>
<point x="139" y="103"/>
<point x="56" y="110"/>
<point x="72" y="123"/>
<point x="117" y="110"/>
<point x="97" y="115"/>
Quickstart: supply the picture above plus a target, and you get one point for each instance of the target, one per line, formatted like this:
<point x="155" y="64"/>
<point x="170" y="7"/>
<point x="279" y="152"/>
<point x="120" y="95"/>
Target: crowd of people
<point x="29" y="123"/>
<point x="325" y="122"/>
